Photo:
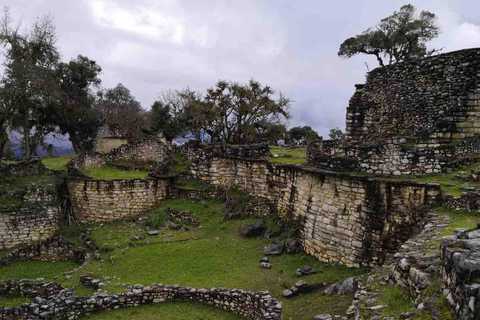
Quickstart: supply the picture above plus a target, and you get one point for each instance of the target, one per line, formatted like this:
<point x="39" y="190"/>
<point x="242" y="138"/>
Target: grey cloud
<point x="289" y="45"/>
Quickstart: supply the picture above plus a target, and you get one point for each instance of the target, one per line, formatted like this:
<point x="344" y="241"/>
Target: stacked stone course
<point x="415" y="117"/>
<point x="108" y="200"/>
<point x="65" y="305"/>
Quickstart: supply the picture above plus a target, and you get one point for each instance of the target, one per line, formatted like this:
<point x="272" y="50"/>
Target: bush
<point x="157" y="217"/>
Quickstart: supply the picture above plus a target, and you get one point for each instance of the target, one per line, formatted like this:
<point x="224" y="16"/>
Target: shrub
<point x="157" y="217"/>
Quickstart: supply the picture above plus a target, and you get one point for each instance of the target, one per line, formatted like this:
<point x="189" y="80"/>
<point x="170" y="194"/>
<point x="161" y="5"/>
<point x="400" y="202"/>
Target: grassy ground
<point x="57" y="163"/>
<point x="212" y="256"/>
<point x="108" y="173"/>
<point x="34" y="269"/>
<point x="13" y="302"/>
<point x="167" y="311"/>
<point x="288" y="155"/>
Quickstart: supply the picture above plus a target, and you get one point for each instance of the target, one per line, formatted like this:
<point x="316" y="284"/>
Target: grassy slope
<point x="57" y="163"/>
<point x="288" y="155"/>
<point x="213" y="256"/>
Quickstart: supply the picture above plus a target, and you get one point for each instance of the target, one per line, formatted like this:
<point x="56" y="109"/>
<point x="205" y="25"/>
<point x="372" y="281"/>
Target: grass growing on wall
<point x="288" y="155"/>
<point x="211" y="256"/>
<point x="109" y="173"/>
<point x="57" y="163"/>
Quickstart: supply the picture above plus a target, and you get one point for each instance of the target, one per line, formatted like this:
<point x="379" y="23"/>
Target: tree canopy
<point x="399" y="37"/>
<point x="302" y="135"/>
<point x="236" y="113"/>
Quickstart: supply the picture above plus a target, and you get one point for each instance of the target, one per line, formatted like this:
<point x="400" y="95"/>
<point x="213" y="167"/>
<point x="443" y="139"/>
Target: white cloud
<point x="468" y="35"/>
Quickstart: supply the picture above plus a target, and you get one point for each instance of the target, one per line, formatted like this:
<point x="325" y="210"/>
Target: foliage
<point x="156" y="218"/>
<point x="336" y="134"/>
<point x="302" y="135"/>
<point x="193" y="184"/>
<point x="167" y="116"/>
<point x="75" y="115"/>
<point x="179" y="164"/>
<point x="27" y="87"/>
<point x="235" y="113"/>
<point x="398" y="37"/>
<point x="122" y="113"/>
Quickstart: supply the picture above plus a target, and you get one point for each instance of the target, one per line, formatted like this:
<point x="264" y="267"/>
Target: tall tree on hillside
<point x="236" y="113"/>
<point x="399" y="37"/>
<point x="28" y="84"/>
<point x="75" y="113"/>
<point x="121" y="112"/>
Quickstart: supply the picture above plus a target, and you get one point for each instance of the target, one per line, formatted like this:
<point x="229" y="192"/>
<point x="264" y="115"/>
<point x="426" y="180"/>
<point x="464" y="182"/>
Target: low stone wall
<point x="175" y="192"/>
<point x="108" y="200"/>
<point x="29" y="288"/>
<point x="468" y="200"/>
<point x="22" y="168"/>
<point x="37" y="218"/>
<point x="196" y="149"/>
<point x="152" y="149"/>
<point x="351" y="219"/>
<point x="52" y="249"/>
<point x="65" y="305"/>
<point x="460" y="273"/>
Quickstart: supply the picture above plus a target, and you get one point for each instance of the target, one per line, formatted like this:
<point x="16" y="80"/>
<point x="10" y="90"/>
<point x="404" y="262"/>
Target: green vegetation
<point x="460" y="219"/>
<point x="133" y="165"/>
<point x="396" y="300"/>
<point x="156" y="218"/>
<point x="109" y="173"/>
<point x="14" y="187"/>
<point x="13" y="301"/>
<point x="35" y="269"/>
<point x="295" y="155"/>
<point x="212" y="256"/>
<point x="193" y="184"/>
<point x="178" y="310"/>
<point x="179" y="164"/>
<point x="57" y="163"/>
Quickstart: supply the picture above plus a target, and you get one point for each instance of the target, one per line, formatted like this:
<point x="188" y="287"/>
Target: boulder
<point x="274" y="249"/>
<point x="293" y="246"/>
<point x="254" y="230"/>
<point x="265" y="265"/>
<point x="343" y="287"/>
<point x="305" y="271"/>
<point x="323" y="317"/>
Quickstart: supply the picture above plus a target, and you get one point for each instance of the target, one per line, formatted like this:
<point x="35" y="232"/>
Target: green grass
<point x="396" y="300"/>
<point x="57" y="163"/>
<point x="109" y="173"/>
<point x="212" y="256"/>
<point x="460" y="219"/>
<point x="288" y="155"/>
<point x="16" y="187"/>
<point x="35" y="269"/>
<point x="13" y="301"/>
<point x="193" y="184"/>
<point x="178" y="310"/>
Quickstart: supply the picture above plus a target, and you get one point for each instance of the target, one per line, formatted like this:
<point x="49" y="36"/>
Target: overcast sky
<point x="153" y="45"/>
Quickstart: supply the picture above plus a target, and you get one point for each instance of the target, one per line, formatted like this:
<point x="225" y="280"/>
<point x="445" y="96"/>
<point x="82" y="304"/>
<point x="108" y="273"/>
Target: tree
<point x="27" y="86"/>
<point x="235" y="113"/>
<point x="75" y="113"/>
<point x="121" y="112"/>
<point x="398" y="37"/>
<point x="336" y="134"/>
<point x="302" y="135"/>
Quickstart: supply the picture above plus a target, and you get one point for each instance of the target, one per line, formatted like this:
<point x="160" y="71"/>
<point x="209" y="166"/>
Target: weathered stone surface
<point x="255" y="229"/>
<point x="274" y="249"/>
<point x="343" y="287"/>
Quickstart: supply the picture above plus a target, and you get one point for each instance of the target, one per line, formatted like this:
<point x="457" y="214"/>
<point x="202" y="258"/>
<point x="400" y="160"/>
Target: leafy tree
<point x="75" y="113"/>
<point x="399" y="37"/>
<point x="336" y="134"/>
<point x="302" y="135"/>
<point x="168" y="115"/>
<point x="28" y="85"/>
<point x="121" y="112"/>
<point x="235" y="113"/>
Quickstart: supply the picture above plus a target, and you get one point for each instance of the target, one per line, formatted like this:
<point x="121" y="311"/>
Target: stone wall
<point x="460" y="273"/>
<point x="52" y="249"/>
<point x="38" y="218"/>
<point x="214" y="193"/>
<point x="350" y="219"/>
<point x="65" y="305"/>
<point x="151" y="149"/>
<point x="108" y="200"/>
<point x="413" y="117"/>
<point x="21" y="168"/>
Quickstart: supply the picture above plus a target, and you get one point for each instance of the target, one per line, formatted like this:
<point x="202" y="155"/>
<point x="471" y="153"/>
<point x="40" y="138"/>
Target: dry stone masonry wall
<point x="108" y="200"/>
<point x="411" y="118"/>
<point x="349" y="219"/>
<point x="65" y="305"/>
